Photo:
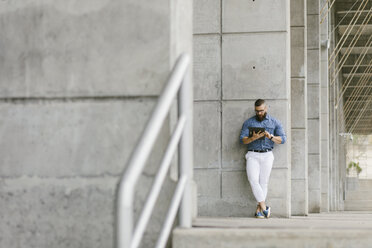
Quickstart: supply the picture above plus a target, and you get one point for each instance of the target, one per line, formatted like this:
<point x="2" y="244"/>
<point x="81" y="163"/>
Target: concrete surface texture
<point x="236" y="63"/>
<point x="78" y="82"/>
<point x="324" y="112"/>
<point x="299" y="149"/>
<point x="313" y="105"/>
<point x="241" y="53"/>
<point x="335" y="128"/>
<point x="336" y="229"/>
<point x="49" y="62"/>
<point x="359" y="197"/>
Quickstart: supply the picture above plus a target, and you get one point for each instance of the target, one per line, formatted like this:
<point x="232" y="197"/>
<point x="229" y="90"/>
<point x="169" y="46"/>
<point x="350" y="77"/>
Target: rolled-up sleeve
<point x="280" y="132"/>
<point x="244" y="132"/>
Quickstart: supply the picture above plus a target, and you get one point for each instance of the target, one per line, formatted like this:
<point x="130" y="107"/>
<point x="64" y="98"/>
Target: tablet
<point x="256" y="130"/>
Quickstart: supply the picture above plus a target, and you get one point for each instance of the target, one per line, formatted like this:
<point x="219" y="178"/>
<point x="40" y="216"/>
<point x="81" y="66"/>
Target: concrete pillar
<point x="338" y="166"/>
<point x="341" y="156"/>
<point x="313" y="99"/>
<point x="79" y="81"/>
<point x="207" y="106"/>
<point x="333" y="148"/>
<point x="299" y="170"/>
<point x="324" y="95"/>
<point x="248" y="43"/>
<point x="333" y="145"/>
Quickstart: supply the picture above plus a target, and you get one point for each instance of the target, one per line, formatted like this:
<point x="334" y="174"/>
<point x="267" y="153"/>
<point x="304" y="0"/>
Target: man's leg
<point x="266" y="163"/>
<point x="253" y="171"/>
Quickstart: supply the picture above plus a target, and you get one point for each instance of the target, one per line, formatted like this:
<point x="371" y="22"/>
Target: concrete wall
<point x="73" y="109"/>
<point x="241" y="54"/>
<point x="313" y="104"/>
<point x="299" y="182"/>
<point x="78" y="82"/>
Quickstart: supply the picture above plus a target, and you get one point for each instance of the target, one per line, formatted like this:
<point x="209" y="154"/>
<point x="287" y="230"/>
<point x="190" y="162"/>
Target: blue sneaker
<point x="267" y="212"/>
<point x="259" y="215"/>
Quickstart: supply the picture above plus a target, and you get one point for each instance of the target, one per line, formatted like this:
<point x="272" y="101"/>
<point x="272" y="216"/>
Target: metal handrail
<point x="127" y="236"/>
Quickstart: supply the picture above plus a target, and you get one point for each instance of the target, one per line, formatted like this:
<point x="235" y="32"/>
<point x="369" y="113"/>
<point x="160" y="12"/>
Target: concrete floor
<point x="328" y="230"/>
<point x="333" y="220"/>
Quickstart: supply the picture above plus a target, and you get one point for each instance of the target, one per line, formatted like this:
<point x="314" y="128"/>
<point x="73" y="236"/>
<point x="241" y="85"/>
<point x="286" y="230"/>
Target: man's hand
<point x="267" y="134"/>
<point x="247" y="140"/>
<point x="258" y="135"/>
<point x="275" y="139"/>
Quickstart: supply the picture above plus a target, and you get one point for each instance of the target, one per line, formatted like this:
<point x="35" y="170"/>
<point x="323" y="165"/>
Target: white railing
<point x="128" y="236"/>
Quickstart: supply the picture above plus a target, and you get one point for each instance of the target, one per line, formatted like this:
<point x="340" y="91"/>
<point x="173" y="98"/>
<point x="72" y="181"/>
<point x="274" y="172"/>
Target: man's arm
<point x="247" y="140"/>
<point x="244" y="132"/>
<point x="278" y="136"/>
<point x="275" y="139"/>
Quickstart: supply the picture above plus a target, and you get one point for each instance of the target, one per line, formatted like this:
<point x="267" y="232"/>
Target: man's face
<point x="261" y="112"/>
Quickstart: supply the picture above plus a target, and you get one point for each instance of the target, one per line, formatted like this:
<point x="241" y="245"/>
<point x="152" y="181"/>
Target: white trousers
<point x="259" y="167"/>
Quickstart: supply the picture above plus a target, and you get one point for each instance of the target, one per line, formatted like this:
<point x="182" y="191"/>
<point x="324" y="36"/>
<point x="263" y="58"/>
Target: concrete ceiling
<point x="356" y="70"/>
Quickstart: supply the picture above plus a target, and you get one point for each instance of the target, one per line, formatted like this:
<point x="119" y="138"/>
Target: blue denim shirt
<point x="272" y="125"/>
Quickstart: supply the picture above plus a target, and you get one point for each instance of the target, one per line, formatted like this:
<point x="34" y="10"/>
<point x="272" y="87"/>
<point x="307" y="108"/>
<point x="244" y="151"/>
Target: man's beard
<point x="261" y="118"/>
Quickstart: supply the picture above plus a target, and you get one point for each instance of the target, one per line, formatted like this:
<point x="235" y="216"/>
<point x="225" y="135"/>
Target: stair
<point x="365" y="184"/>
<point x="358" y="205"/>
<point x="336" y="229"/>
<point x="360" y="197"/>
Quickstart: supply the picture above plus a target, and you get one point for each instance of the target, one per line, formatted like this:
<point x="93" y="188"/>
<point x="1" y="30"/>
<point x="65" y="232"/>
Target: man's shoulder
<point x="272" y="118"/>
<point x="250" y="120"/>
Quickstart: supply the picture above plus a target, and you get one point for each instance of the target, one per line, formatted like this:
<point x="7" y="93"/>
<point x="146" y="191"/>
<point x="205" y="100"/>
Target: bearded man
<point x="260" y="157"/>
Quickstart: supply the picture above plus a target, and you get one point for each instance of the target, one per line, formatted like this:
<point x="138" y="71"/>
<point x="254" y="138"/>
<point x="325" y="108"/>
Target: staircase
<point x="359" y="197"/>
<point x="335" y="229"/>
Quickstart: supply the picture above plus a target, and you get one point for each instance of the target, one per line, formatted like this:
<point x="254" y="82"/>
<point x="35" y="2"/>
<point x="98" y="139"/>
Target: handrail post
<point x="179" y="81"/>
<point x="185" y="106"/>
<point x="125" y="218"/>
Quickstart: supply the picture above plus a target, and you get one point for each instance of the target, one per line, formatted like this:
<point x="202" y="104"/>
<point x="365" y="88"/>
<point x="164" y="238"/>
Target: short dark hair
<point x="259" y="102"/>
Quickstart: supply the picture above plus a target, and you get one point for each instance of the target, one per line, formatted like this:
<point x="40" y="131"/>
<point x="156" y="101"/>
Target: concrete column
<point x="333" y="148"/>
<point x="299" y="170"/>
<point x="242" y="51"/>
<point x="341" y="156"/>
<point x="313" y="99"/>
<point x="78" y="84"/>
<point x="342" y="175"/>
<point x="333" y="145"/>
<point x="324" y="95"/>
<point x="337" y="158"/>
<point x="338" y="161"/>
<point x="207" y="107"/>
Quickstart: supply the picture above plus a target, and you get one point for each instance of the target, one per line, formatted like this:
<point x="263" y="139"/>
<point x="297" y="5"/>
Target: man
<point x="260" y="157"/>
